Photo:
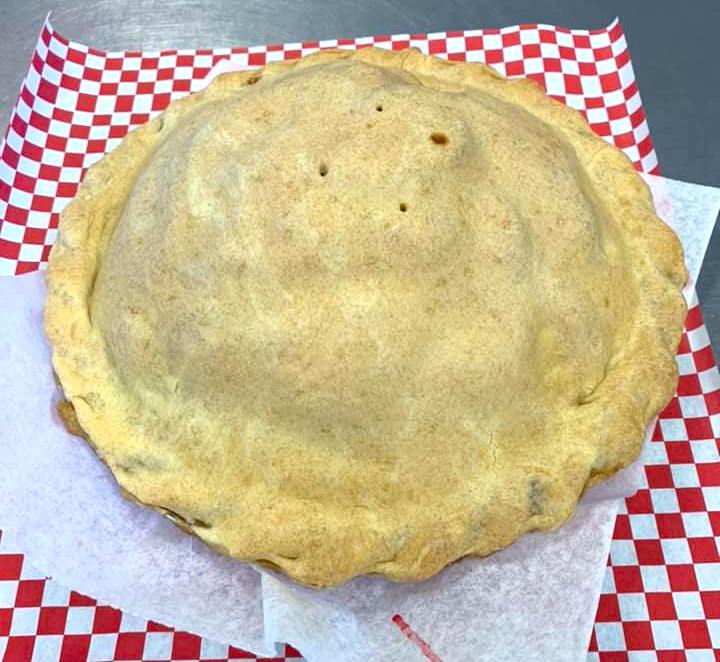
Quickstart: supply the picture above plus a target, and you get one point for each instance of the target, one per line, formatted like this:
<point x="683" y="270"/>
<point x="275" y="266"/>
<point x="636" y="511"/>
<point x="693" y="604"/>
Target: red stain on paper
<point x="415" y="638"/>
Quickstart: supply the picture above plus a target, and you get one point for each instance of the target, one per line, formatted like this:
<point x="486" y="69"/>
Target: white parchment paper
<point x="58" y="503"/>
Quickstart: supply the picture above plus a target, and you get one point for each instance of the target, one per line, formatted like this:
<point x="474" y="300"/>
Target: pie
<point x="366" y="312"/>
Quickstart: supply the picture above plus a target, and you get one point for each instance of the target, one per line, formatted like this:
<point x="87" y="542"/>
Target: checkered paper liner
<point x="661" y="595"/>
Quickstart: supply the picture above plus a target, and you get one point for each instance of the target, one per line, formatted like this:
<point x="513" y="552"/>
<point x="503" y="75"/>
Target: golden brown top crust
<point x="370" y="314"/>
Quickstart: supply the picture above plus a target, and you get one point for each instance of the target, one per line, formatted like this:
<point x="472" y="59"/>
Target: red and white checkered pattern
<point x="661" y="597"/>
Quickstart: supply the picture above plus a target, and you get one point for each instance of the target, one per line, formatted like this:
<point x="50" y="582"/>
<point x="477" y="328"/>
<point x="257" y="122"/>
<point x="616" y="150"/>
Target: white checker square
<point x="564" y="39"/>
<point x="26" y="166"/>
<point x="277" y="56"/>
<point x="666" y="635"/>
<point x="620" y="126"/>
<point x="708" y="576"/>
<point x="158" y="646"/>
<point x="606" y="66"/>
<point x="167" y="61"/>
<point x="37" y="219"/>
<point x="205" y="61"/>
<point x="22" y="110"/>
<point x="676" y="551"/>
<point x="533" y="66"/>
<point x="102" y="647"/>
<point x="715" y="425"/>
<point x="165" y="86"/>
<point x="420" y="44"/>
<point x="455" y="44"/>
<point x="328" y="43"/>
<point x="53" y="157"/>
<point x="655" y="453"/>
<point x="614" y="98"/>
<point x="492" y="42"/>
<point x="549" y="50"/>
<point x="51" y="236"/>
<point x="46" y="187"/>
<point x="673" y="429"/>
<point x="713" y="626"/>
<point x="684" y="475"/>
<point x="655" y="578"/>
<point x="685" y="363"/>
<point x="20" y="198"/>
<point x="7" y="268"/>
<point x="688" y="606"/>
<point x="529" y="37"/>
<point x="32" y="80"/>
<point x="644" y="527"/>
<point x="212" y="649"/>
<point x="90" y="159"/>
<point x="591" y="86"/>
<point x="576" y="101"/>
<point x="14" y="140"/>
<point x="132" y="623"/>
<point x="512" y="53"/>
<point x="8" y="590"/>
<point x="3" y="646"/>
<point x="633" y="607"/>
<point x="608" y="583"/>
<point x="35" y="136"/>
<point x="704" y="450"/>
<point x="111" y="76"/>
<point x="584" y="55"/>
<point x="712" y="498"/>
<point x="698" y="338"/>
<point x="47" y="648"/>
<point x="58" y="204"/>
<point x="430" y="35"/>
<point x="55" y="595"/>
<point x="664" y="500"/>
<point x="619" y="46"/>
<point x="142" y="103"/>
<point x="51" y="74"/>
<point x="594" y="657"/>
<point x="71" y="175"/>
<point x="642" y="656"/>
<point x="609" y="636"/>
<point x="76" y="145"/>
<point x="58" y="128"/>
<point x="73" y="69"/>
<point x="183" y="73"/>
<point x="24" y="621"/>
<point x="622" y="552"/>
<point x="699" y="655"/>
<point x="79" y="619"/>
<point x="12" y="232"/>
<point x="147" y="75"/>
<point x="555" y="83"/>
<point x="90" y="87"/>
<point x="626" y="75"/>
<point x="570" y="67"/>
<point x="127" y="87"/>
<point x="709" y="380"/>
<point x="7" y="174"/>
<point x="105" y="105"/>
<point x="30" y="252"/>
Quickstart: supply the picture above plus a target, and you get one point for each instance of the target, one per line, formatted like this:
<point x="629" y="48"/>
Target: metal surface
<point x="673" y="47"/>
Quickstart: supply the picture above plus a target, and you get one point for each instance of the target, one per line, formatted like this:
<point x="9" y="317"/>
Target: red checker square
<point x="14" y="215"/>
<point x="695" y="634"/>
<point x="34" y="236"/>
<point x="130" y="646"/>
<point x="704" y="358"/>
<point x="239" y="653"/>
<point x="547" y="36"/>
<point x="623" y="140"/>
<point x="183" y="85"/>
<point x="185" y="60"/>
<point x="581" y="41"/>
<point x="610" y="82"/>
<point x="107" y="620"/>
<point x="47" y="91"/>
<point x="5" y="191"/>
<point x="149" y="63"/>
<point x="45" y="256"/>
<point x="649" y="552"/>
<point x="164" y="74"/>
<point x="552" y="64"/>
<point x="682" y="577"/>
<point x="703" y="550"/>
<point x="19" y="649"/>
<point x="400" y="45"/>
<point x="437" y="46"/>
<point x="70" y="82"/>
<point x="72" y="160"/>
<point x="531" y="50"/>
<point x="73" y="55"/>
<point x="292" y="652"/>
<point x="615" y="33"/>
<point x="712" y="402"/>
<point x="587" y="68"/>
<point x="661" y="606"/>
<point x="96" y="146"/>
<point x="139" y="118"/>
<point x="52" y="620"/>
<point x="457" y="57"/>
<point x="709" y="474"/>
<point x="256" y="59"/>
<point x="186" y="646"/>
<point x="74" y="647"/>
<point x="66" y="189"/>
<point x="19" y="125"/>
<point x="129" y="76"/>
<point x="160" y="101"/>
<point x="510" y="38"/>
<point x="62" y="115"/>
<point x="670" y="525"/>
<point x="102" y="120"/>
<point x="80" y="600"/>
<point x="474" y="43"/>
<point x="9" y="156"/>
<point x="29" y="593"/>
<point x="291" y="55"/>
<point x="145" y="88"/>
<point x="94" y="75"/>
<point x="24" y="183"/>
<point x="516" y="68"/>
<point x="622" y="59"/>
<point x="10" y="251"/>
<point x="37" y="62"/>
<point x="204" y="51"/>
<point x="602" y="53"/>
<point x="615" y="656"/>
<point x="699" y="428"/>
<point x="637" y="118"/>
<point x="117" y="131"/>
<point x="693" y="320"/>
<point x="671" y="656"/>
<point x="672" y="410"/>
<point x="710" y="602"/>
<point x="41" y="203"/>
<point x="493" y="56"/>
<point x="616" y="112"/>
<point x="86" y="102"/>
<point x="78" y="131"/>
<point x="659" y="476"/>
<point x="638" y="635"/>
<point x="113" y="63"/>
<point x="153" y="626"/>
<point x="26" y="267"/>
<point x="690" y="499"/>
<point x="608" y="610"/>
<point x="622" y="529"/>
<point x="5" y="621"/>
<point x="566" y="53"/>
<point x="628" y="579"/>
<point x="592" y="646"/>
<point x="679" y="452"/>
<point x="57" y="143"/>
<point x="123" y="104"/>
<point x="689" y="385"/>
<point x="640" y="502"/>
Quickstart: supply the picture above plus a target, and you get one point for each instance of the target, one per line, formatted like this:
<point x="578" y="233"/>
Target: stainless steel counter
<point x="673" y="47"/>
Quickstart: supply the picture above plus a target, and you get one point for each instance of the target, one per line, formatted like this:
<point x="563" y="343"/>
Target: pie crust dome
<point x="367" y="312"/>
